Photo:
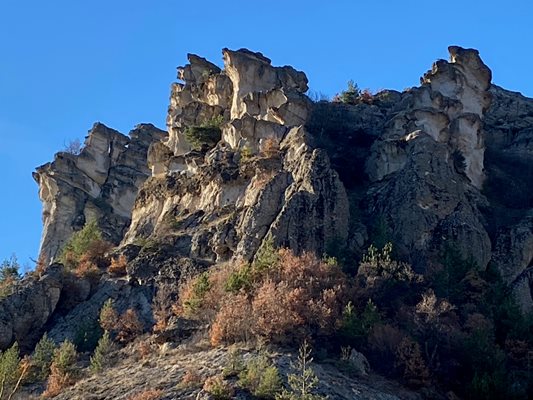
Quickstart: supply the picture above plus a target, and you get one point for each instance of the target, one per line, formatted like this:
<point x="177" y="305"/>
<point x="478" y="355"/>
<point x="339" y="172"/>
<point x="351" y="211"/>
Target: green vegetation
<point x="9" y="369"/>
<point x="206" y="135"/>
<point x="42" y="357"/>
<point x="100" y="358"/>
<point x="9" y="276"/>
<point x="350" y="95"/>
<point x="84" y="252"/>
<point x="261" y="378"/>
<point x="198" y="290"/>
<point x="87" y="336"/>
<point x="303" y="383"/>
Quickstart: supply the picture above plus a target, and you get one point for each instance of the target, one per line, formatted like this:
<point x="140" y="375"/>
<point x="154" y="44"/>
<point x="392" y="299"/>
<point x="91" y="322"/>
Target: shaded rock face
<point x="509" y="165"/>
<point x="428" y="164"/>
<point x="263" y="179"/>
<point x="23" y="314"/>
<point x="99" y="183"/>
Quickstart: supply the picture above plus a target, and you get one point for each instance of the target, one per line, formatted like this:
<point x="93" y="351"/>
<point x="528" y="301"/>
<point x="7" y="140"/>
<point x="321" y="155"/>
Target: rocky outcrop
<point x="24" y="313"/>
<point x="509" y="165"/>
<point x="428" y="163"/>
<point x="262" y="179"/>
<point x="426" y="166"/>
<point x="101" y="183"/>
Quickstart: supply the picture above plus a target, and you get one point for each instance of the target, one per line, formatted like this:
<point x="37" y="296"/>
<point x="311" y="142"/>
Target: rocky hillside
<point x="249" y="163"/>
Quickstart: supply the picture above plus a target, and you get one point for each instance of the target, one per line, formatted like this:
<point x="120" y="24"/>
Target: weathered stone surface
<point x="513" y="254"/>
<point x="24" y="313"/>
<point x="262" y="178"/>
<point x="100" y="183"/>
<point x="428" y="164"/>
<point x="509" y="166"/>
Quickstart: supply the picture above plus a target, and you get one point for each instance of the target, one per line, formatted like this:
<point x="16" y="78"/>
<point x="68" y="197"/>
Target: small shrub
<point x="191" y="379"/>
<point x="129" y="326"/>
<point x="261" y="378"/>
<point x="12" y="371"/>
<point x="207" y="134"/>
<point x="62" y="370"/>
<point x="144" y="349"/>
<point x="270" y="147"/>
<point x="239" y="279"/>
<point x="85" y="245"/>
<point x="267" y="256"/>
<point x="303" y="383"/>
<point x="409" y="359"/>
<point x="108" y="316"/>
<point x="350" y="95"/>
<point x="9" y="276"/>
<point x="87" y="335"/>
<point x="233" y="322"/>
<point x="246" y="154"/>
<point x="100" y="358"/>
<point x="42" y="357"/>
<point x="193" y="293"/>
<point x="357" y="326"/>
<point x="235" y="364"/>
<point x="217" y="387"/>
<point x="150" y="394"/>
<point x="73" y="147"/>
<point x="118" y="266"/>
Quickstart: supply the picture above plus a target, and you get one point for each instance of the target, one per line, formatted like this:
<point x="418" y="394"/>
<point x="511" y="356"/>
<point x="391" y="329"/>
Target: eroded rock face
<point x="428" y="163"/>
<point x="24" y="313"/>
<point x="99" y="183"/>
<point x="263" y="178"/>
<point x="509" y="166"/>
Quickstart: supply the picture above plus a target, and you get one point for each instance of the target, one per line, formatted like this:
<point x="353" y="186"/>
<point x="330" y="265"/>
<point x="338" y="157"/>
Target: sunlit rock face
<point x="262" y="179"/>
<point x="448" y="107"/>
<point x="101" y="183"/>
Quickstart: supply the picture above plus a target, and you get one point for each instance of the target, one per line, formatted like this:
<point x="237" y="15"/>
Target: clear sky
<point x="65" y="64"/>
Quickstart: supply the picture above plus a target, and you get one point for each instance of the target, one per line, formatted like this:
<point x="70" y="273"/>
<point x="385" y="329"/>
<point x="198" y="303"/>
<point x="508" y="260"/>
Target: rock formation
<point x="249" y="157"/>
<point x="428" y="163"/>
<point x="101" y="183"/>
<point x="262" y="179"/>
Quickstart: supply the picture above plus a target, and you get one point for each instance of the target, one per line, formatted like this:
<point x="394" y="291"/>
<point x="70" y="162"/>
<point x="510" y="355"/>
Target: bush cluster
<point x="85" y="252"/>
<point x="206" y="135"/>
<point x="457" y="327"/>
<point x="9" y="276"/>
<point x="281" y="298"/>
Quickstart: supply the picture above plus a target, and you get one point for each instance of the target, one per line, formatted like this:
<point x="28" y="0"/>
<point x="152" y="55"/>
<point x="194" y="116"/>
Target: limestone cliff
<point x="263" y="178"/>
<point x="101" y="183"/>
<point x="249" y="156"/>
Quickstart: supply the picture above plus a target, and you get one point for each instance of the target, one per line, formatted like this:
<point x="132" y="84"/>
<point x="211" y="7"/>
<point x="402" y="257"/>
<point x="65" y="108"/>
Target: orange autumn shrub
<point x="129" y="326"/>
<point x="118" y="266"/>
<point x="150" y="394"/>
<point x="294" y="297"/>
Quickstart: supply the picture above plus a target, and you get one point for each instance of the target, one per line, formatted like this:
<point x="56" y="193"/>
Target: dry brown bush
<point x="88" y="270"/>
<point x="218" y="387"/>
<point x="296" y="297"/>
<point x="191" y="379"/>
<point x="118" y="266"/>
<point x="57" y="381"/>
<point x="144" y="349"/>
<point x="129" y="326"/>
<point x="150" y="394"/>
<point x="270" y="147"/>
<point x="233" y="322"/>
<point x="410" y="361"/>
<point x="108" y="316"/>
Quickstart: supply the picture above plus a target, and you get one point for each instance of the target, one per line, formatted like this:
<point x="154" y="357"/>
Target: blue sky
<point x="67" y="63"/>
